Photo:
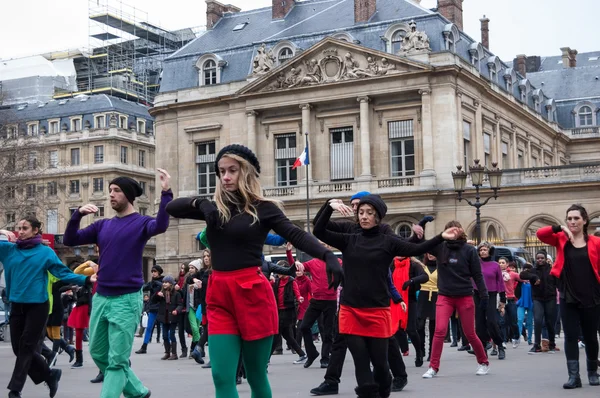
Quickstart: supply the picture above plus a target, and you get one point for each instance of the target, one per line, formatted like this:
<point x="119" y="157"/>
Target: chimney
<point x="572" y="58"/>
<point x="282" y="7"/>
<point x="215" y="11"/>
<point x="364" y="10"/>
<point x="452" y="10"/>
<point x="521" y="64"/>
<point x="566" y="57"/>
<point x="485" y="32"/>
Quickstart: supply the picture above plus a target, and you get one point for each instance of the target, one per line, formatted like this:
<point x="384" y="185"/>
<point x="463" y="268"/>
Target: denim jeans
<point x="149" y="327"/>
<point x="544" y="313"/>
<point x="525" y="315"/>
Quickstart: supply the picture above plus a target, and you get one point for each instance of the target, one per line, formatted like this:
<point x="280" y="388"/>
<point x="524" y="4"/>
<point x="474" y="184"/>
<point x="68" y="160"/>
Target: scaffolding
<point x="125" y="52"/>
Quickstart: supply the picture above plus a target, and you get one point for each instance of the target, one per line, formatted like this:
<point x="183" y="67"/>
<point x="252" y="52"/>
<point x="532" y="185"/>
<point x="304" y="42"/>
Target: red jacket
<point x="559" y="240"/>
<point x="320" y="286"/>
<point x="304" y="284"/>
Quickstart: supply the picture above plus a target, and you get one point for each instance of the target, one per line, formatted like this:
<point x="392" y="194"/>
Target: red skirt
<point x="367" y="322"/>
<point x="242" y="303"/>
<point x="80" y="317"/>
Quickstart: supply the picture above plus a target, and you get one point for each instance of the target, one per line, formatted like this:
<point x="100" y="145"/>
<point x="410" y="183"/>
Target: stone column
<point x="365" y="139"/>
<point x="513" y="139"/>
<point x="479" y="150"/>
<point x="427" y="176"/>
<point x="251" y="115"/>
<point x="528" y="157"/>
<point x="306" y="129"/>
<point x="498" y="143"/>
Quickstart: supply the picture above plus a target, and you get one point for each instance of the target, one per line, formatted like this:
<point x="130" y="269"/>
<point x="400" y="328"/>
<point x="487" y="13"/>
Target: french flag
<point x="303" y="158"/>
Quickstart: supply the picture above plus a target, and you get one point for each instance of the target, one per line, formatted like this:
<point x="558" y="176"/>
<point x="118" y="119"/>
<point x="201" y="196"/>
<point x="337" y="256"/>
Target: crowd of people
<point x="376" y="295"/>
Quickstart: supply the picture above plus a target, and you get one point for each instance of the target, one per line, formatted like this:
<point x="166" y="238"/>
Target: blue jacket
<point x="525" y="300"/>
<point x="26" y="272"/>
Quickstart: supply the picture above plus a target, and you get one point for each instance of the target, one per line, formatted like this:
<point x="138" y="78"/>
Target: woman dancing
<point x="365" y="316"/>
<point x="241" y="307"/>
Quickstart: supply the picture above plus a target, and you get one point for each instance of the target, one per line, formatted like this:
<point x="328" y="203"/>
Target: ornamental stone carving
<point x="330" y="67"/>
<point x="415" y="41"/>
<point x="264" y="61"/>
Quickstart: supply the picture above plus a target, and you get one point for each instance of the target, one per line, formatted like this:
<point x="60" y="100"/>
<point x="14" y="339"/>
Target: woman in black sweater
<point x="240" y="302"/>
<point x="365" y="316"/>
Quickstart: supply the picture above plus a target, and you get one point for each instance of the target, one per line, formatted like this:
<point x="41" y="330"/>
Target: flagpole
<point x="307" y="186"/>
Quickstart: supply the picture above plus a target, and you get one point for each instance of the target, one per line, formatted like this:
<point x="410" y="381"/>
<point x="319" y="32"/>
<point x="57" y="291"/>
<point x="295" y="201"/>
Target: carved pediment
<point x="332" y="61"/>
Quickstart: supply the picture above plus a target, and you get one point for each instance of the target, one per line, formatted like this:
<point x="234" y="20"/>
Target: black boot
<point x="419" y="360"/>
<point x="98" y="379"/>
<point x="325" y="389"/>
<point x="14" y="394"/>
<point x="501" y="352"/>
<point x="592" y="369"/>
<point x="192" y="347"/>
<point x="143" y="349"/>
<point x="574" y="379"/>
<point x="167" y="351"/>
<point x="52" y="381"/>
<point x="78" y="360"/>
<point x="399" y="383"/>
<point x="173" y="352"/>
<point x="385" y="387"/>
<point x="184" y="352"/>
<point x="367" y="391"/>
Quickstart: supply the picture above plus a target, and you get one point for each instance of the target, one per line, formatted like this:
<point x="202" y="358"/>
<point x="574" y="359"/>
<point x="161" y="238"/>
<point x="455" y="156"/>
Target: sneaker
<point x="398" y="383"/>
<point x="516" y="343"/>
<point x="535" y="349"/>
<point x="482" y="369"/>
<point x="494" y="352"/>
<point x="581" y="345"/>
<point x="300" y="360"/>
<point x="464" y="348"/>
<point x="429" y="374"/>
<point x="325" y="389"/>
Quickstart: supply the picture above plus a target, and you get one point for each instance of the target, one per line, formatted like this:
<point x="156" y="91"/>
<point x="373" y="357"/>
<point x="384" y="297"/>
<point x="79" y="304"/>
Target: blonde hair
<point x="249" y="192"/>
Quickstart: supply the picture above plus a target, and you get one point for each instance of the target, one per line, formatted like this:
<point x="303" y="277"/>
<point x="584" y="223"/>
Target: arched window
<point x="451" y="37"/>
<point x="397" y="38"/>
<point x="209" y="72"/>
<point x="585" y="116"/>
<point x="404" y="231"/>
<point x="284" y="54"/>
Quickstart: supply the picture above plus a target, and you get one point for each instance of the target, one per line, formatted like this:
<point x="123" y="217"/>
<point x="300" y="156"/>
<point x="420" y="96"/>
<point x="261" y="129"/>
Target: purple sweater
<point x="121" y="242"/>
<point x="492" y="274"/>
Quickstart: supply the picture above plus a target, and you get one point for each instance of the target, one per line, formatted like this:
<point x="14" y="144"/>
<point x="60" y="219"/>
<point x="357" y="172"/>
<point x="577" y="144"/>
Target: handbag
<point x="199" y="313"/>
<point x="144" y="320"/>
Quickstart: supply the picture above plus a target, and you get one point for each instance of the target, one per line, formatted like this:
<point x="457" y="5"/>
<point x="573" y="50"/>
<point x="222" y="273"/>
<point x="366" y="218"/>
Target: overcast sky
<point x="532" y="27"/>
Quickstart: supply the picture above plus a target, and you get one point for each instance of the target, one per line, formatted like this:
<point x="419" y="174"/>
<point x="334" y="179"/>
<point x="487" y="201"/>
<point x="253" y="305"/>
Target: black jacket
<point x="153" y="287"/>
<point x="269" y="267"/>
<point x="458" y="262"/>
<point x="546" y="290"/>
<point x="165" y="309"/>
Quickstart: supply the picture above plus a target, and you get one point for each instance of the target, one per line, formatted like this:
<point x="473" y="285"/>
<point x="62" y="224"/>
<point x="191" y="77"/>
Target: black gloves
<point x="425" y="220"/>
<point x="503" y="297"/>
<point x="483" y="304"/>
<point x="407" y="284"/>
<point x="335" y="274"/>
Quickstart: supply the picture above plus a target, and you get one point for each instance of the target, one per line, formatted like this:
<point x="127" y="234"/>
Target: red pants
<point x="465" y="308"/>
<point x="242" y="303"/>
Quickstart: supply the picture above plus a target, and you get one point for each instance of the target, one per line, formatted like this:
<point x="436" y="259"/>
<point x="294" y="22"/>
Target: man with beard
<point x="117" y="304"/>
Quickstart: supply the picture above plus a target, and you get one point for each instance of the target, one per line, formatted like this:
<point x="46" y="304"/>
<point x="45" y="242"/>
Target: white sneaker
<point x="300" y="360"/>
<point x="516" y="343"/>
<point x="581" y="345"/>
<point x="429" y="374"/>
<point x="482" y="370"/>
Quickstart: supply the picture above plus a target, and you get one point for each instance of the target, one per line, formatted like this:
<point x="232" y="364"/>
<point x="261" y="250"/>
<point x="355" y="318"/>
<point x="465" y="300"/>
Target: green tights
<point x="224" y="350"/>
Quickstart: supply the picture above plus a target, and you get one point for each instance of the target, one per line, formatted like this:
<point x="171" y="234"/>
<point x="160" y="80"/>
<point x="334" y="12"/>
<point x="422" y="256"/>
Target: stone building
<point x="393" y="97"/>
<point x="58" y="155"/>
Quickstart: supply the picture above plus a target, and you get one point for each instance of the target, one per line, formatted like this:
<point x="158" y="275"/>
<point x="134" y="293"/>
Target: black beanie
<point x="130" y="187"/>
<point x="377" y="203"/>
<point x="158" y="268"/>
<point x="241" y="151"/>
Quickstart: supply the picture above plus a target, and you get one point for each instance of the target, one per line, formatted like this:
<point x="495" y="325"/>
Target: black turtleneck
<point x="238" y="243"/>
<point x="367" y="255"/>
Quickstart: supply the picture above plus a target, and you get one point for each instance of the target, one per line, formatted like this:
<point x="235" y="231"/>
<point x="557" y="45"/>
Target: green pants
<point x="113" y="323"/>
<point x="194" y="325"/>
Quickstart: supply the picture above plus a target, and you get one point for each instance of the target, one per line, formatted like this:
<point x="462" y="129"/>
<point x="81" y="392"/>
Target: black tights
<point x="287" y="320"/>
<point x="204" y="337"/>
<point x="572" y="317"/>
<point x="486" y="321"/>
<point x="367" y="350"/>
<point x="395" y="359"/>
<point x="421" y="331"/>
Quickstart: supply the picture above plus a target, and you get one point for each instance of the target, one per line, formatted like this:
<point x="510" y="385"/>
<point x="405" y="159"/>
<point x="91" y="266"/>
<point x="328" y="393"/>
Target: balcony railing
<point x="281" y="191"/>
<point x="584" y="132"/>
<point x="397" y="182"/>
<point x="552" y="174"/>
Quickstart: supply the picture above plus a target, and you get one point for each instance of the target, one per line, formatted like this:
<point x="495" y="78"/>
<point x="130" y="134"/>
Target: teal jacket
<point x="26" y="272"/>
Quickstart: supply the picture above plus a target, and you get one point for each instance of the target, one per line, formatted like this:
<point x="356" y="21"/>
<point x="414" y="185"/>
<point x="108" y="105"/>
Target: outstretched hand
<point x="452" y="233"/>
<point x="10" y="235"/>
<point x="340" y="207"/>
<point x="88" y="209"/>
<point x="165" y="179"/>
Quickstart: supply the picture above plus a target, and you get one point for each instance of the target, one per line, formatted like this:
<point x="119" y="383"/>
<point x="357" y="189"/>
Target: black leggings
<point x="486" y="321"/>
<point x="183" y="326"/>
<point x="572" y="317"/>
<point x="367" y="350"/>
<point x="27" y="326"/>
<point x="395" y="359"/>
<point x="544" y="312"/>
<point x="204" y="337"/>
<point x="421" y="330"/>
<point x="287" y="320"/>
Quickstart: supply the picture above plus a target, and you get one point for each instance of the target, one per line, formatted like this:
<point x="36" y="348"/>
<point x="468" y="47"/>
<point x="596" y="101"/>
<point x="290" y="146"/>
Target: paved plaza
<point x="520" y="375"/>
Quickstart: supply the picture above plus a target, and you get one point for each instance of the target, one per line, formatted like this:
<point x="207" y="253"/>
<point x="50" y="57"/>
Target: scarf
<point x="399" y="276"/>
<point x="29" y="243"/>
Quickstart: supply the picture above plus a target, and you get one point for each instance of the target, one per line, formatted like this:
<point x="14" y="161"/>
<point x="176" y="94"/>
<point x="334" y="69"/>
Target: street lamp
<point x="477" y="172"/>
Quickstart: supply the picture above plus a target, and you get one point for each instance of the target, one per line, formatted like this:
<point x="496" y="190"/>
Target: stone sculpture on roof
<point x="415" y="41"/>
<point x="264" y="61"/>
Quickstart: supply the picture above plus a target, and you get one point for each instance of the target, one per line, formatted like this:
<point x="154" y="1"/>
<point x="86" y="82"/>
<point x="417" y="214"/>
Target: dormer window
<point x="451" y="37"/>
<point x="509" y="78"/>
<point x="397" y="38"/>
<point x="538" y="97"/>
<point x="476" y="53"/>
<point x="524" y="90"/>
<point x="585" y="116"/>
<point x="284" y="54"/>
<point x="209" y="72"/>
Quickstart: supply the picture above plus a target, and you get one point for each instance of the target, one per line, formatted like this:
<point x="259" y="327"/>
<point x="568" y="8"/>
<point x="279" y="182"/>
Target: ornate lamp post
<point x="477" y="172"/>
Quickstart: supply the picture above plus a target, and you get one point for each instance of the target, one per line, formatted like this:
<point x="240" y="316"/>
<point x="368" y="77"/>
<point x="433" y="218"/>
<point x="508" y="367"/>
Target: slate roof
<point x="583" y="59"/>
<point x="75" y="106"/>
<point x="566" y="83"/>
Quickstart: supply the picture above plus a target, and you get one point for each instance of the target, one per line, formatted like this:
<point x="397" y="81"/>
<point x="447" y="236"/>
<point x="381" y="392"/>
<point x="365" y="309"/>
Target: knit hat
<point x="377" y="203"/>
<point x="359" y="195"/>
<point x="542" y="251"/>
<point x="158" y="268"/>
<point x="241" y="151"/>
<point x="130" y="187"/>
<point x="169" y="279"/>
<point x="196" y="264"/>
